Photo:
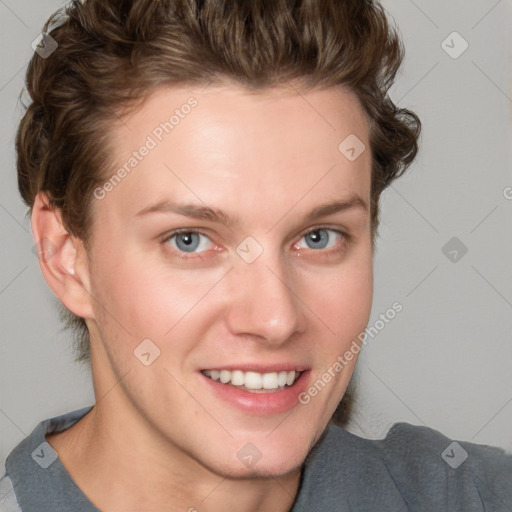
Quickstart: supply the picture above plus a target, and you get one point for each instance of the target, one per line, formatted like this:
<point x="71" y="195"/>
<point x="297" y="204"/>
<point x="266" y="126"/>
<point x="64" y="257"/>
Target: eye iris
<point x="318" y="236"/>
<point x="188" y="240"/>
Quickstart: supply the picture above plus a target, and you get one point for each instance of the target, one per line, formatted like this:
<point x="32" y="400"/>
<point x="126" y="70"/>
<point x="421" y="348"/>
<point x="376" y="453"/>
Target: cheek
<point x="127" y="294"/>
<point x="141" y="297"/>
<point x="344" y="307"/>
<point x="147" y="299"/>
<point x="343" y="299"/>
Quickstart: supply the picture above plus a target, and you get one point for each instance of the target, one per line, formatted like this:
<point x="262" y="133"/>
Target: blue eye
<point x="188" y="241"/>
<point x="320" y="238"/>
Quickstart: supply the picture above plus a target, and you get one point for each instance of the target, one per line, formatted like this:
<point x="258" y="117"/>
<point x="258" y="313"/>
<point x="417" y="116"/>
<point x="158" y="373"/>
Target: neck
<point x="120" y="466"/>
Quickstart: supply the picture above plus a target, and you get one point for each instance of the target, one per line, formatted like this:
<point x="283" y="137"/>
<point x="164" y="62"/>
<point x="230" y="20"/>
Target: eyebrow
<point x="216" y="215"/>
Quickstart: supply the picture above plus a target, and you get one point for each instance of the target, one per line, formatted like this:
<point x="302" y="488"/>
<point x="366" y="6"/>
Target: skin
<point x="158" y="438"/>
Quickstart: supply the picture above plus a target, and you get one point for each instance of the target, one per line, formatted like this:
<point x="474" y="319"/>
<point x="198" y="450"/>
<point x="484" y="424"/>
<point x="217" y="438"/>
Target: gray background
<point x="445" y="361"/>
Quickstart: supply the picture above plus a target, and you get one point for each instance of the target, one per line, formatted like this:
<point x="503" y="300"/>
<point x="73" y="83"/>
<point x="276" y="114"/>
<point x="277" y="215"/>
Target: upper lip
<point x="258" y="368"/>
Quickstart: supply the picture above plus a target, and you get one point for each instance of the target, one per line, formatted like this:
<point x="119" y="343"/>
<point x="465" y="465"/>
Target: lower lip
<point x="274" y="402"/>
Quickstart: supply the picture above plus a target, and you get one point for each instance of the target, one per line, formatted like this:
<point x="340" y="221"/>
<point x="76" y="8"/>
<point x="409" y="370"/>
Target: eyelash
<point x="346" y="239"/>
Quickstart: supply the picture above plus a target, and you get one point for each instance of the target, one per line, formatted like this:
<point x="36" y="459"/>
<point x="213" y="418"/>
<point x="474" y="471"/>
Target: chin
<point x="269" y="457"/>
<point x="273" y="468"/>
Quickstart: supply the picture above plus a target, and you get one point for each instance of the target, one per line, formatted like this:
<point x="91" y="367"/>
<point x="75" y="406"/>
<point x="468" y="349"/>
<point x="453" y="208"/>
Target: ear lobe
<point x="62" y="258"/>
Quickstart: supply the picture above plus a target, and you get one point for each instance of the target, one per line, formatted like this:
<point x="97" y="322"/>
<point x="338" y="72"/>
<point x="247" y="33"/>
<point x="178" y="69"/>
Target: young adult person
<point x="203" y="179"/>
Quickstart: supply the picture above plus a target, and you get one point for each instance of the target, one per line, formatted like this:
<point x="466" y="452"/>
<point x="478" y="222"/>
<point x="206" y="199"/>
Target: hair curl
<point x="113" y="53"/>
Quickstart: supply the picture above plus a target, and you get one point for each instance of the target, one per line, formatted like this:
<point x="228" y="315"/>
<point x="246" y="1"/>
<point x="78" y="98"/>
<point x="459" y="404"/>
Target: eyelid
<point x="165" y="238"/>
<point x="337" y="229"/>
<point x="346" y="237"/>
<point x="184" y="255"/>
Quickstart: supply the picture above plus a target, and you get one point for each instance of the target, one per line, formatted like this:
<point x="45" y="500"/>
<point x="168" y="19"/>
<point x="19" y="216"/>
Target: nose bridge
<point x="264" y="304"/>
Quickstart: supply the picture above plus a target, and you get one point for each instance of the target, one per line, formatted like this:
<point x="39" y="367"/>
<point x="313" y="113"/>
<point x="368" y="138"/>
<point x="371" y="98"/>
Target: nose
<point x="264" y="306"/>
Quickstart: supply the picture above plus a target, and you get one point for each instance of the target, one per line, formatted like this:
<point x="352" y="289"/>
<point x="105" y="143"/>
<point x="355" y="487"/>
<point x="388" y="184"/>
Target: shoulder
<point x="413" y="469"/>
<point x="428" y="464"/>
<point x="8" y="501"/>
<point x="34" y="478"/>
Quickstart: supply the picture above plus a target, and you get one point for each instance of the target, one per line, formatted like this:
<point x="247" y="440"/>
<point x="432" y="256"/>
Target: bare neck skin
<point x="110" y="464"/>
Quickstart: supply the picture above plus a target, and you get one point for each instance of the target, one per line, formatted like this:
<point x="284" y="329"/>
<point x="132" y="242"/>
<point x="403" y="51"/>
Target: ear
<point x="62" y="258"/>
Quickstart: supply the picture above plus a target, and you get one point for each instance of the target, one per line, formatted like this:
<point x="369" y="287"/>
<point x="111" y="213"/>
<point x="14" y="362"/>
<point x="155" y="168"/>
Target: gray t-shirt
<point x="413" y="469"/>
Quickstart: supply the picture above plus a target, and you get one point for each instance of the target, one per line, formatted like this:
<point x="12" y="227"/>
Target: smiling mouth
<point x="254" y="382"/>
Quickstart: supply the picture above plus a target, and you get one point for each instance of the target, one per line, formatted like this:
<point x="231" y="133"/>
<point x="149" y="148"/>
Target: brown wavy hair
<point x="112" y="54"/>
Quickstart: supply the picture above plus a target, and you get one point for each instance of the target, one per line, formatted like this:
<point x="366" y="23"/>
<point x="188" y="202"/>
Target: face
<point x="213" y="259"/>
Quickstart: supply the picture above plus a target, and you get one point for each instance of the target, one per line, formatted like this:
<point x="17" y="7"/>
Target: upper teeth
<point x="254" y="380"/>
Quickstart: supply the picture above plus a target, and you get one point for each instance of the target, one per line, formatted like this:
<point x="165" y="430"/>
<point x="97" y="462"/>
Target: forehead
<point x="223" y="145"/>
